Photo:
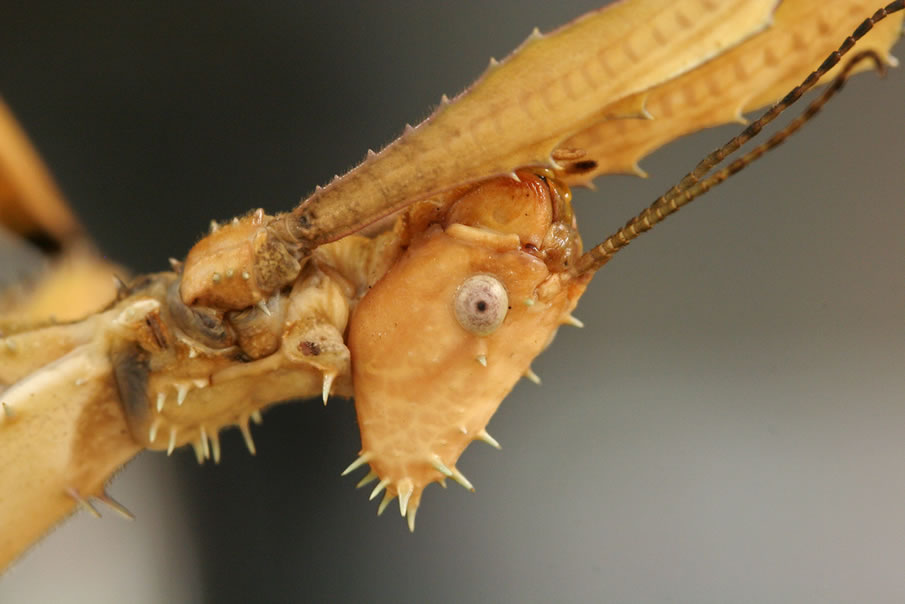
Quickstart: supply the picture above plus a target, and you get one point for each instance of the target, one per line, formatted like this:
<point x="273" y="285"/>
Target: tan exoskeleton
<point x="484" y="253"/>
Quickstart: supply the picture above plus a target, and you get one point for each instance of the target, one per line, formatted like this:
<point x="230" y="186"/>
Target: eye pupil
<point x="481" y="304"/>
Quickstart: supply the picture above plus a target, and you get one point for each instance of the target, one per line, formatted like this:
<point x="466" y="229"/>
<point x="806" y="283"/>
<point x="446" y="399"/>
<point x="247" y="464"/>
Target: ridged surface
<point x="518" y="111"/>
<point x="757" y="72"/>
<point x="63" y="433"/>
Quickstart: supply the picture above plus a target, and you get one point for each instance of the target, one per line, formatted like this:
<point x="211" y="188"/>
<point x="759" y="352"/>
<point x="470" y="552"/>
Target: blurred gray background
<point x="729" y="427"/>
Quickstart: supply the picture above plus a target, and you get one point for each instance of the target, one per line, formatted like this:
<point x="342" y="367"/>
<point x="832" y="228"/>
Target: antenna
<point x="692" y="185"/>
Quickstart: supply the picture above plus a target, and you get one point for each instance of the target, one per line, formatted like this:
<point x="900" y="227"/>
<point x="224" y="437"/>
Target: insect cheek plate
<point x="422" y="392"/>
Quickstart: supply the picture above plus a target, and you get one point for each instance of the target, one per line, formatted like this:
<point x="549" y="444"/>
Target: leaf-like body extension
<point x="28" y="351"/>
<point x="75" y="284"/>
<point x="80" y="399"/>
<point x="757" y="72"/>
<point x="63" y="433"/>
<point x="30" y="202"/>
<point x="548" y="89"/>
<point x="77" y="281"/>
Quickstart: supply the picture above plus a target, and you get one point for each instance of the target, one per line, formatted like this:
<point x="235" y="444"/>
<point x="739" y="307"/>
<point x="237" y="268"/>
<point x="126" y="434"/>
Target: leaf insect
<point x="547" y="380"/>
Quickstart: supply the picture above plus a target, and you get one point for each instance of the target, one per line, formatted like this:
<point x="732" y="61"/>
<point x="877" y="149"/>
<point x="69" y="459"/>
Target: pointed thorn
<point x="532" y="376"/>
<point x="408" y="128"/>
<point x="152" y="432"/>
<point x="328" y="384"/>
<point x="120" y="285"/>
<point x="199" y="452"/>
<point x="175" y="265"/>
<point x="258" y="216"/>
<point x="739" y="118"/>
<point x="8" y="411"/>
<point x="371" y="153"/>
<point x="246" y="436"/>
<point x="161" y="399"/>
<point x="442" y="482"/>
<point x="256" y="417"/>
<point x="379" y="488"/>
<point x="368" y="479"/>
<point x="482" y="359"/>
<point x="84" y="503"/>
<point x="483" y="435"/>
<point x="318" y="189"/>
<point x="439" y="466"/>
<point x="172" y="444"/>
<point x="235" y="221"/>
<point x="205" y="443"/>
<point x="115" y="506"/>
<point x="535" y="34"/>
<point x="570" y="320"/>
<point x="411" y="518"/>
<point x="182" y="391"/>
<point x="460" y="478"/>
<point x="444" y="100"/>
<point x="215" y="226"/>
<point x="192" y="352"/>
<point x="362" y="460"/>
<point x="514" y="177"/>
<point x="215" y="446"/>
<point x="263" y="306"/>
<point x="405" y="488"/>
<point x="387" y="498"/>
<point x="493" y="62"/>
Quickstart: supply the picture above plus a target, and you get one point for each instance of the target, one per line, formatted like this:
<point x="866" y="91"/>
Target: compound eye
<point x="481" y="304"/>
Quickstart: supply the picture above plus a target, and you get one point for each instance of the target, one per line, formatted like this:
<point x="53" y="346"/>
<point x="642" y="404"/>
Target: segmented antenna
<point x="691" y="186"/>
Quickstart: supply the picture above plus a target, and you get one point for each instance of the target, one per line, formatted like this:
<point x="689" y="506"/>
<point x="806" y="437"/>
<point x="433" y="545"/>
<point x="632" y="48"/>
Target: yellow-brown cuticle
<point x="237" y="265"/>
